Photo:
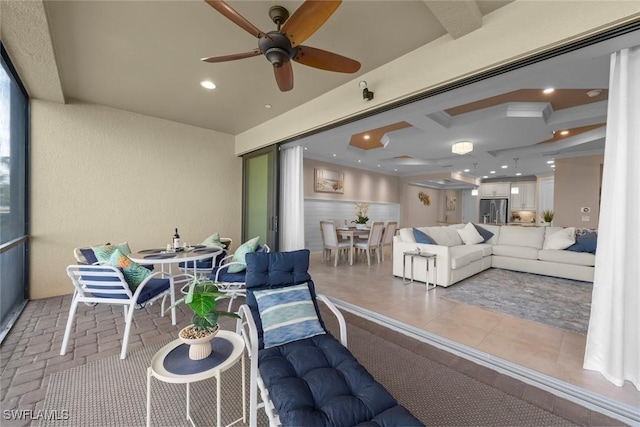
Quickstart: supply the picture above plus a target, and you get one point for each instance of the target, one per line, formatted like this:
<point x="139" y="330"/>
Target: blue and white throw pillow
<point x="287" y="315"/>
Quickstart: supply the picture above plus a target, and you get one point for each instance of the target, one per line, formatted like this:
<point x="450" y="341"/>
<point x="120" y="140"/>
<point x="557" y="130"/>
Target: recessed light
<point x="207" y="84"/>
<point x="334" y="154"/>
<point x="553" y="166"/>
<point x="378" y="165"/>
<point x="564" y="132"/>
<point x="396" y="170"/>
<point x="305" y="148"/>
<point x="518" y="173"/>
<point x="467" y="170"/>
<point x="485" y="177"/>
<point x="504" y="166"/>
<point x="366" y="137"/>
<point x="267" y="106"/>
<point x="550" y="162"/>
<point x="359" y="161"/>
<point x="492" y="171"/>
<point x="548" y="90"/>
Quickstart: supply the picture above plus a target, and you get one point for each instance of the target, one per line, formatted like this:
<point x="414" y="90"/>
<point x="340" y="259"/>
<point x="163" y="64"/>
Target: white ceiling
<point x="144" y="56"/>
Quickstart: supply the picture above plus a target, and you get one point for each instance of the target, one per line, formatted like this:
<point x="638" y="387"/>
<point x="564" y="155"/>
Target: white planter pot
<point x="361" y="226"/>
<point x="199" y="348"/>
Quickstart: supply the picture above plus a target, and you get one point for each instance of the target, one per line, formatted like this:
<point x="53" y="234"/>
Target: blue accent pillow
<point x="586" y="242"/>
<point x="422" y="237"/>
<point x="287" y="315"/>
<point x="486" y="234"/>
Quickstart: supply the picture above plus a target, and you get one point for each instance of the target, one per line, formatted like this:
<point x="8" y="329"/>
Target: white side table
<point x="417" y="254"/>
<point x="171" y="364"/>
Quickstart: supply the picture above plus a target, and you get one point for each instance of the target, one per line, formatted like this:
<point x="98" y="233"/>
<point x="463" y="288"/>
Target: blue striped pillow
<point x="287" y="315"/>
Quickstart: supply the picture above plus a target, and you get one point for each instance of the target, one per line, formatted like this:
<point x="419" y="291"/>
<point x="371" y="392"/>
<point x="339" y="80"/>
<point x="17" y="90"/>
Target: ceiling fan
<point x="284" y="44"/>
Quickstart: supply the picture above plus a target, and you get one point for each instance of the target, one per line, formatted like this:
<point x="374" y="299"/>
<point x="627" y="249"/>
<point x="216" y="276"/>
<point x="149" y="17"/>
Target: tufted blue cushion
<point x="318" y="382"/>
<point x="276" y="270"/>
<point x="315" y="381"/>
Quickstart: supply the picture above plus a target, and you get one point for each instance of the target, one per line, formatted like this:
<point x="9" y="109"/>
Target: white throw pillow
<point x="560" y="239"/>
<point x="470" y="235"/>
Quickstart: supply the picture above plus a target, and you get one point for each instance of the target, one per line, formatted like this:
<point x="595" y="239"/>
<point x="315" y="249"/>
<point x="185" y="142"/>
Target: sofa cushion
<point x="318" y="382"/>
<point x="464" y="255"/>
<point x="420" y="237"/>
<point x="444" y="236"/>
<point x="567" y="257"/>
<point x="585" y="242"/>
<point x="531" y="237"/>
<point x="486" y="234"/>
<point x="406" y="235"/>
<point x="287" y="314"/>
<point x="516" y="251"/>
<point x="561" y="239"/>
<point x="470" y="235"/>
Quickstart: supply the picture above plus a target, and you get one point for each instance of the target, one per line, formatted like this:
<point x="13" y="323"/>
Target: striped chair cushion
<point x="287" y="315"/>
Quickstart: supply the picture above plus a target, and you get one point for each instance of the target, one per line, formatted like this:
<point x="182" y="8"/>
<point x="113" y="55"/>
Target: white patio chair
<point x="330" y="241"/>
<point x="103" y="284"/>
<point x="373" y="242"/>
<point x="387" y="237"/>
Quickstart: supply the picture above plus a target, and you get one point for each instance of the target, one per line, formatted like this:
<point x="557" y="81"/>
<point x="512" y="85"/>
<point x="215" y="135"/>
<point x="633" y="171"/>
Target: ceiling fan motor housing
<point x="277" y="49"/>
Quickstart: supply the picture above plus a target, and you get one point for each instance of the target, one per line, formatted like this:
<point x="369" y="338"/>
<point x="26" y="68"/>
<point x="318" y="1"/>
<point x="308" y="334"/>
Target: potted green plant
<point x="547" y="216"/>
<point x="201" y="299"/>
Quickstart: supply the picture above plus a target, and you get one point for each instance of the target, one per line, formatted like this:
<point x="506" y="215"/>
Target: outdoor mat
<point x="112" y="392"/>
<point x="557" y="302"/>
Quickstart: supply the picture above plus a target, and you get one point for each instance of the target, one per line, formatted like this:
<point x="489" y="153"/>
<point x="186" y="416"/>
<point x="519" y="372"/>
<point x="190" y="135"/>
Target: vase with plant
<point x="546" y="216"/>
<point x="361" y="215"/>
<point x="201" y="299"/>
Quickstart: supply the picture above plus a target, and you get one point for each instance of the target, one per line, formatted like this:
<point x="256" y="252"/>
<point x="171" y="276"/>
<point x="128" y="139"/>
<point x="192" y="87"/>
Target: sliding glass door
<point x="14" y="238"/>
<point x="260" y="196"/>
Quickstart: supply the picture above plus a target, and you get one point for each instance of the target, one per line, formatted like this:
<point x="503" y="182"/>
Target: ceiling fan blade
<point x="307" y="19"/>
<point x="235" y="17"/>
<point x="284" y="76"/>
<point x="318" y="58"/>
<point x="233" y="57"/>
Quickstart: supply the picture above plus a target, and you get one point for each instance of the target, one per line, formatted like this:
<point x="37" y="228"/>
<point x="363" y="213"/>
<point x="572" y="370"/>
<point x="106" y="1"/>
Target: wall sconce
<point x="462" y="147"/>
<point x="367" y="95"/>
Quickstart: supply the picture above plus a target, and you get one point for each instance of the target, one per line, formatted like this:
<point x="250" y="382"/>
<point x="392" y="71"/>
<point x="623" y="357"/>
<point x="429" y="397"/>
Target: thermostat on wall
<point x="585" y="210"/>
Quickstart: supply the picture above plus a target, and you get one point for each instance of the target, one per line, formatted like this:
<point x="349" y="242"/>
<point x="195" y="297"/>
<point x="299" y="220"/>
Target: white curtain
<point x="613" y="339"/>
<point x="292" y="199"/>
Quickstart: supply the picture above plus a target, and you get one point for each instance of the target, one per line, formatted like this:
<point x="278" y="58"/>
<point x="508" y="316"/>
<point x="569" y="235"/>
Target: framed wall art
<point x="326" y="181"/>
<point x="451" y="203"/>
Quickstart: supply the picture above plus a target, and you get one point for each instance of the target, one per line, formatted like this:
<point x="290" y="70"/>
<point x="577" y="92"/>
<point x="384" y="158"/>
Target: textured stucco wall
<point x="100" y="174"/>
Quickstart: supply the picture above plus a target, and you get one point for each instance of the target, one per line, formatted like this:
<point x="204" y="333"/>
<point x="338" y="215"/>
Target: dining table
<point x="351" y="233"/>
<point x="166" y="258"/>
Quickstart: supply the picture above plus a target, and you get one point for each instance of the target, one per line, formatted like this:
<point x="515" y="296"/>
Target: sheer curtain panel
<point x="292" y="199"/>
<point x="613" y="339"/>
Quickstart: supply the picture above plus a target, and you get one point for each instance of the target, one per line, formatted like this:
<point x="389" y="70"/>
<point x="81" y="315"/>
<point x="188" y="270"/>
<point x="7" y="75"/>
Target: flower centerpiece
<point x="201" y="299"/>
<point x="361" y="215"/>
<point x="546" y="216"/>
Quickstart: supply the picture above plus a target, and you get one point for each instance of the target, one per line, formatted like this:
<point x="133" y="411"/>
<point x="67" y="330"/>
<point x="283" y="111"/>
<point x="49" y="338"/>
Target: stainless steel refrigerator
<point x="493" y="211"/>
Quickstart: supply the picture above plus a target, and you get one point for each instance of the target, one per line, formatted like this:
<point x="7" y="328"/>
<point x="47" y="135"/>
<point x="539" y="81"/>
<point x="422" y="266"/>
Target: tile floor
<point x="552" y="351"/>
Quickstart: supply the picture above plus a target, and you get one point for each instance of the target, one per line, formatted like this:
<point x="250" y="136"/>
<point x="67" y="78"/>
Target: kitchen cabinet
<point x="495" y="189"/>
<point x="525" y="200"/>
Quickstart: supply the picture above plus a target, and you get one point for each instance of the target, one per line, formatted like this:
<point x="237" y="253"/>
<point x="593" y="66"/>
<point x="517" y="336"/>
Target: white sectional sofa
<point x="510" y="247"/>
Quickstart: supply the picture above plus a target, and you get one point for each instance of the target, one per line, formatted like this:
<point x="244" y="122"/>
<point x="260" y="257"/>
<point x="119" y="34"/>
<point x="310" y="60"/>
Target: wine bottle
<point x="176" y="241"/>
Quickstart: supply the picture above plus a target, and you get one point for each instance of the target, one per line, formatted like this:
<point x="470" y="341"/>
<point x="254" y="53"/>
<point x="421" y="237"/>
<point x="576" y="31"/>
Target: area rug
<point x="111" y="392"/>
<point x="557" y="302"/>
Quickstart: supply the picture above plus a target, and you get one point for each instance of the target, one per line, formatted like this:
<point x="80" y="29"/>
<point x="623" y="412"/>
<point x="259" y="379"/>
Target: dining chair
<point x="104" y="284"/>
<point x="387" y="237"/>
<point x="373" y="242"/>
<point x="331" y="242"/>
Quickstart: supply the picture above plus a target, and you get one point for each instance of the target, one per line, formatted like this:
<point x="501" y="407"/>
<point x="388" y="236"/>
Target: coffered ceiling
<point x="507" y="117"/>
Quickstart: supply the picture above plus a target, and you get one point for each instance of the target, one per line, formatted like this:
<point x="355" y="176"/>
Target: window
<point x="14" y="113"/>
